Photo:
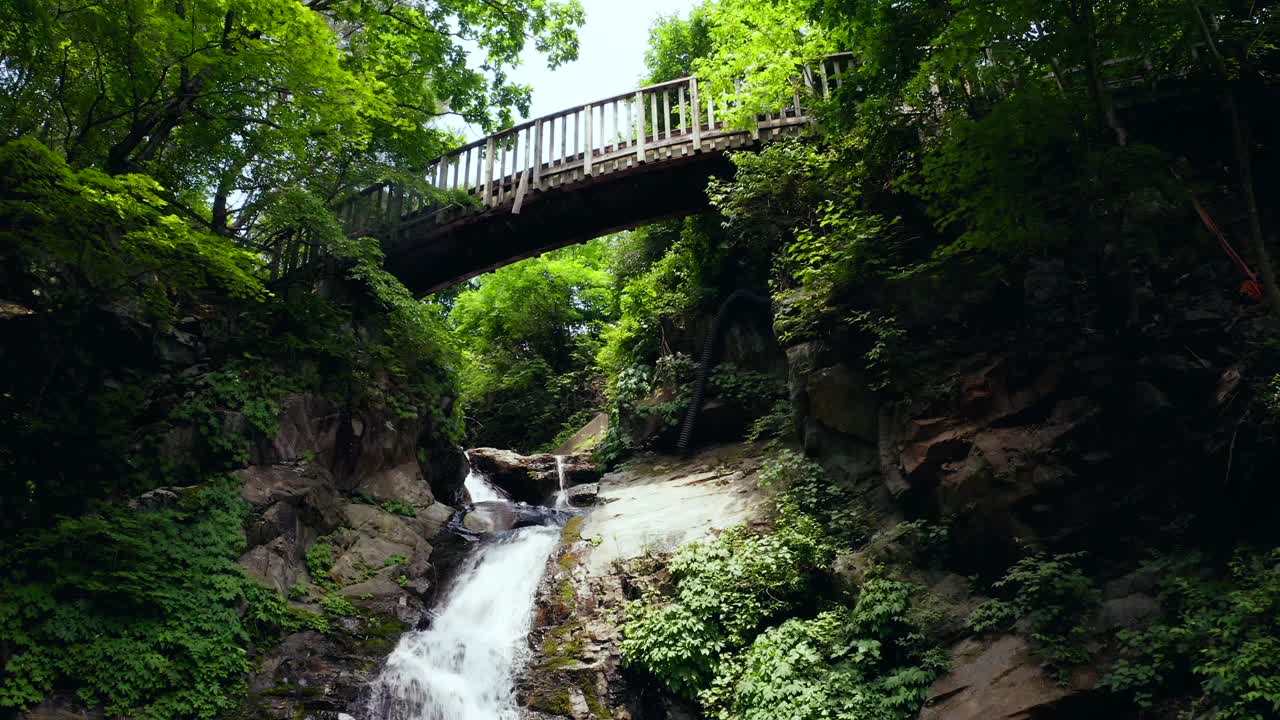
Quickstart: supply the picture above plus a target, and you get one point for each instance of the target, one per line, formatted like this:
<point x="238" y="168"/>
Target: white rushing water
<point x="480" y="489"/>
<point x="562" y="497"/>
<point x="462" y="667"/>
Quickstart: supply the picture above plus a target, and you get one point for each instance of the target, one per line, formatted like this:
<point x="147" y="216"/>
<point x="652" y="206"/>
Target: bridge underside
<point x="428" y="257"/>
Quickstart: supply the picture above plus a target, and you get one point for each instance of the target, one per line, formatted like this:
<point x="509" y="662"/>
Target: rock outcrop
<point x="531" y="478"/>
<point x="363" y="495"/>
<point x="652" y="504"/>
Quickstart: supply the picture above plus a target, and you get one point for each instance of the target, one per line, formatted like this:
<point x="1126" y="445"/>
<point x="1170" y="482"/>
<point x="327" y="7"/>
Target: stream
<point x="462" y="666"/>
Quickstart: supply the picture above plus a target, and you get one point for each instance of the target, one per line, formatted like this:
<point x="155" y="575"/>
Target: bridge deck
<point x="566" y="178"/>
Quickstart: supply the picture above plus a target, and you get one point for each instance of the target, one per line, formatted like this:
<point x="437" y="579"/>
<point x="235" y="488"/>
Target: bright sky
<point x="610" y="57"/>
<point x="610" y="60"/>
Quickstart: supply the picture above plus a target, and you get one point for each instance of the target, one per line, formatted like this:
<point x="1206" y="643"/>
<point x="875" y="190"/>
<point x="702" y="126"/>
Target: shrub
<point x="156" y="631"/>
<point x="807" y="493"/>
<point x="865" y="661"/>
<point x="1057" y="599"/>
<point x="400" y="507"/>
<point x="1221" y="634"/>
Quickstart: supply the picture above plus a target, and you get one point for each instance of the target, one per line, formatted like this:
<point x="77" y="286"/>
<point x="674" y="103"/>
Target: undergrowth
<point x="1218" y="633"/>
<point x="747" y="631"/>
<point x="137" y="612"/>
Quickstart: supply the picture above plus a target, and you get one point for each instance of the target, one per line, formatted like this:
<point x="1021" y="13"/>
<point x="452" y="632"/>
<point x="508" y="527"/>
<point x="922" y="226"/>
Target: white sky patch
<point x="610" y="60"/>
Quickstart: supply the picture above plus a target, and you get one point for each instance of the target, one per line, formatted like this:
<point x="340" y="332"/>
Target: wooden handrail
<point x="649" y="124"/>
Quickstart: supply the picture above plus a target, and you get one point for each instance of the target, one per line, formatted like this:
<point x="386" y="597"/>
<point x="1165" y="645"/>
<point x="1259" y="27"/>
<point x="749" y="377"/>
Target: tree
<point x="231" y="103"/>
<point x="530" y="332"/>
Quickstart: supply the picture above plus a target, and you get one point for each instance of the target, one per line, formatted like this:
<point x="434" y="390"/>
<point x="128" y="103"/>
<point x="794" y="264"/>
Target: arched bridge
<point x="568" y="177"/>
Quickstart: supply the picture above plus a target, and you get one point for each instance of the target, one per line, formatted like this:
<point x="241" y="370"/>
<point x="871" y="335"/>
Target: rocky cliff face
<point x="347" y="520"/>
<point x="1102" y="443"/>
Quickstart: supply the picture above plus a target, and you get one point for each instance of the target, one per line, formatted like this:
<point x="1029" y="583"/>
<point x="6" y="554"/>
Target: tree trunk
<point x="1257" y="246"/>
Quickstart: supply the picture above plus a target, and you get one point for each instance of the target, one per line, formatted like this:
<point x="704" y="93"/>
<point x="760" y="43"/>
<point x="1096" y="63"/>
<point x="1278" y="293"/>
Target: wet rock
<point x="583" y="495"/>
<point x="530" y="478"/>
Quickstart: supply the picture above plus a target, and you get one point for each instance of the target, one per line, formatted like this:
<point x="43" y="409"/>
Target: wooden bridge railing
<point x="651" y="124"/>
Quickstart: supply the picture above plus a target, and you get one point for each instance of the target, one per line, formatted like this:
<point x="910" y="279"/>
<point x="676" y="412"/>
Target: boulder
<point x="841" y="400"/>
<point x="997" y="678"/>
<point x="446" y="470"/>
<point x="308" y="429"/>
<point x="583" y="495"/>
<point x="285" y="498"/>
<point x="276" y="564"/>
<point x="403" y="483"/>
<point x="368" y="555"/>
<point x="374" y="522"/>
<point x="532" y="478"/>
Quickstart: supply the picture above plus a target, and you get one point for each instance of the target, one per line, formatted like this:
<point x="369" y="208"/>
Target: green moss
<point x="569" y="561"/>
<point x="596" y="707"/>
<point x="554" y="702"/>
<point x="381" y="632"/>
<point x="568" y="595"/>
<point x="572" y="531"/>
<point x="562" y="646"/>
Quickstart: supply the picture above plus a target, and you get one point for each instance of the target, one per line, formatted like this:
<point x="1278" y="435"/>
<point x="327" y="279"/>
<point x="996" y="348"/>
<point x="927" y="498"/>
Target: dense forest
<point x="1083" y="185"/>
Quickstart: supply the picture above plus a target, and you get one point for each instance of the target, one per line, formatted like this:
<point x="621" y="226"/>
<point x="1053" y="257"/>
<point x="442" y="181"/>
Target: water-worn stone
<point x="530" y="478"/>
<point x="583" y="495"/>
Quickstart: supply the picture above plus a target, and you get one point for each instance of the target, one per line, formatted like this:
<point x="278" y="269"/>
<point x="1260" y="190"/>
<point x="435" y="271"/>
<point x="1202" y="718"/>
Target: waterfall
<point x="462" y="667"/>
<point x="479" y="487"/>
<point x="562" y="497"/>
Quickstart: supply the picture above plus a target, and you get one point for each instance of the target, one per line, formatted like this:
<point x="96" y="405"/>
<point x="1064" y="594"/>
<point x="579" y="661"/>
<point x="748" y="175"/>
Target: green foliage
<point x="675" y="44"/>
<point x="725" y="590"/>
<point x="400" y="507"/>
<point x="248" y="388"/>
<point x="1057" y="599"/>
<point x="683" y="280"/>
<point x="222" y="100"/>
<point x="530" y="332"/>
<point x="80" y="236"/>
<point x="1219" y="633"/>
<point x="777" y="424"/>
<point x="863" y="662"/>
<point x="319" y="558"/>
<point x="157" y="631"/>
<point x="394" y="560"/>
<point x="730" y="589"/>
<point x="807" y="496"/>
<point x="299" y="591"/>
<point x="764" y="43"/>
<point x="338" y="606"/>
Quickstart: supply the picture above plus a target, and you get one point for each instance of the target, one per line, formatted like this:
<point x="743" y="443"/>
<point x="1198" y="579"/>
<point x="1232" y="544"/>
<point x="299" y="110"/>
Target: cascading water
<point x="562" y="497"/>
<point x="479" y="487"/>
<point x="462" y="667"/>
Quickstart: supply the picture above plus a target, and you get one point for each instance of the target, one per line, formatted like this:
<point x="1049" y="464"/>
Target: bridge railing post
<point x="537" y="155"/>
<point x="487" y="192"/>
<point x="697" y="114"/>
<point x="639" y="126"/>
<point x="587" y="150"/>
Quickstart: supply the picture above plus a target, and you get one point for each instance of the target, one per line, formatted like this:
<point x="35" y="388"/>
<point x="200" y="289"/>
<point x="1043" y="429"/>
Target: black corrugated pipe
<point x="704" y="365"/>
